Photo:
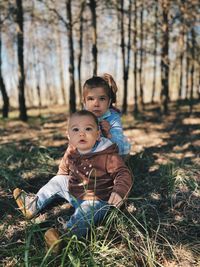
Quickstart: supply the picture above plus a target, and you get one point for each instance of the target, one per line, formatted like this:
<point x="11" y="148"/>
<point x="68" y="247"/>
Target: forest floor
<point x="164" y="201"/>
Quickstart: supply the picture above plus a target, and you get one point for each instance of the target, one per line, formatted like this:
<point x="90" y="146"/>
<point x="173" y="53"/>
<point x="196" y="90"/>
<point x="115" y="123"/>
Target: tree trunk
<point x="72" y="97"/>
<point x="92" y="5"/>
<point x="124" y="105"/>
<point x="155" y="51"/>
<point x="165" y="58"/>
<point x="5" y="108"/>
<point x="181" y="45"/>
<point x="135" y="60"/>
<point x="187" y="67"/>
<point x="20" y="54"/>
<point x="141" y="100"/>
<point x="125" y="59"/>
<point x="192" y="70"/>
<point x="80" y="51"/>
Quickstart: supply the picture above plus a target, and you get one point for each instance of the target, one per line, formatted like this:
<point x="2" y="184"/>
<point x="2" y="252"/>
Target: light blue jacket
<point x="116" y="130"/>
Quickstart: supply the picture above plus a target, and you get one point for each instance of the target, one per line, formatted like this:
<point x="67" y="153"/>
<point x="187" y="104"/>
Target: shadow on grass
<point x="166" y="177"/>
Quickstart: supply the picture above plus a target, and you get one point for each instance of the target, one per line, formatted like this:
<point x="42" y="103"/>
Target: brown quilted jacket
<point x="96" y="175"/>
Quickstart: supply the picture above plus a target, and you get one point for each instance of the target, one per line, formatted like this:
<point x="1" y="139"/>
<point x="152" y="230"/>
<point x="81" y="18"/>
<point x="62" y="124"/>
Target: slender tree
<point x="155" y="51"/>
<point x="72" y="100"/>
<point x="20" y="55"/>
<point x="93" y="5"/>
<point x="135" y="59"/>
<point x="187" y="66"/>
<point x="165" y="56"/>
<point x="192" y="68"/>
<point x="181" y="45"/>
<point x="141" y="98"/>
<point x="83" y="3"/>
<point x="68" y="23"/>
<point x="5" y="97"/>
<point x="125" y="50"/>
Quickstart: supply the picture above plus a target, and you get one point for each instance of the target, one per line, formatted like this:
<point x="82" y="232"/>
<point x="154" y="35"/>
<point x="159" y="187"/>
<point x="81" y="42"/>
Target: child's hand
<point x="105" y="128"/>
<point x="115" y="200"/>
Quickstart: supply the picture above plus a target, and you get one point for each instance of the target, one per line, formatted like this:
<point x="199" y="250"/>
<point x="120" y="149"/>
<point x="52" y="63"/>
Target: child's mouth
<point x="82" y="141"/>
<point x="97" y="111"/>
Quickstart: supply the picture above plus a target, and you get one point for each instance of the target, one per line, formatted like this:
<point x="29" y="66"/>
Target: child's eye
<point x="102" y="98"/>
<point x="89" y="98"/>
<point x="88" y="129"/>
<point x="75" y="130"/>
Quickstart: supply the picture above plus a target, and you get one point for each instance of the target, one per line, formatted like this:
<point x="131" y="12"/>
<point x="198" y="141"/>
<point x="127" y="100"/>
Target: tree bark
<point x="141" y="100"/>
<point x="72" y="97"/>
<point x="125" y="52"/>
<point x="192" y="69"/>
<point x="155" y="51"/>
<point x="165" y="57"/>
<point x="124" y="105"/>
<point x="135" y="60"/>
<point x="20" y="54"/>
<point x="181" y="45"/>
<point x="80" y="51"/>
<point x="92" y="5"/>
<point x="187" y="67"/>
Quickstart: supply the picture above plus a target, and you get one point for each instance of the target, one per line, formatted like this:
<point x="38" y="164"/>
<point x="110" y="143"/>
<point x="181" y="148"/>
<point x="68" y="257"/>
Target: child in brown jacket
<point x="92" y="177"/>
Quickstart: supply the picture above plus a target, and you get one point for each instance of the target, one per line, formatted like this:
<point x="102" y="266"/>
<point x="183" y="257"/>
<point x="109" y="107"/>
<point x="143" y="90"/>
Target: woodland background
<point x="48" y="49"/>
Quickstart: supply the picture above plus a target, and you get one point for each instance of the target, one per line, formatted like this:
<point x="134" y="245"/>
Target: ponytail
<point x="113" y="89"/>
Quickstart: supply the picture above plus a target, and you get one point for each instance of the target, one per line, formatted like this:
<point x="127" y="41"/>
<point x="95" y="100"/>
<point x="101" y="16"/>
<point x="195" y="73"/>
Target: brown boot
<point x="27" y="203"/>
<point x="53" y="241"/>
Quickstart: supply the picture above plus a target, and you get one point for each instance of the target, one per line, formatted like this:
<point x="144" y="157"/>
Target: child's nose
<point x="82" y="133"/>
<point x="96" y="102"/>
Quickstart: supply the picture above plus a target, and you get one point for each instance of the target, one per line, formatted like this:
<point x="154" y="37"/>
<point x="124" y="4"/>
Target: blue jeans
<point x="87" y="212"/>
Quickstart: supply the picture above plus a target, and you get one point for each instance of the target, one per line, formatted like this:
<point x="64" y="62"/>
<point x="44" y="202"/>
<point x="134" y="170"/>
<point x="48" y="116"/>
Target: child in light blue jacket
<point x="99" y="95"/>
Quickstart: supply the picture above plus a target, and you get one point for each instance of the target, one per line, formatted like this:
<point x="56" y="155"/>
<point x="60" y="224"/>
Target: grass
<point x="159" y="224"/>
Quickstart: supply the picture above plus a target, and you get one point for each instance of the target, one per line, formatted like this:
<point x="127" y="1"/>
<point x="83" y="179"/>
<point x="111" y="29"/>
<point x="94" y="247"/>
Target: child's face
<point x="97" y="101"/>
<point x="83" y="133"/>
